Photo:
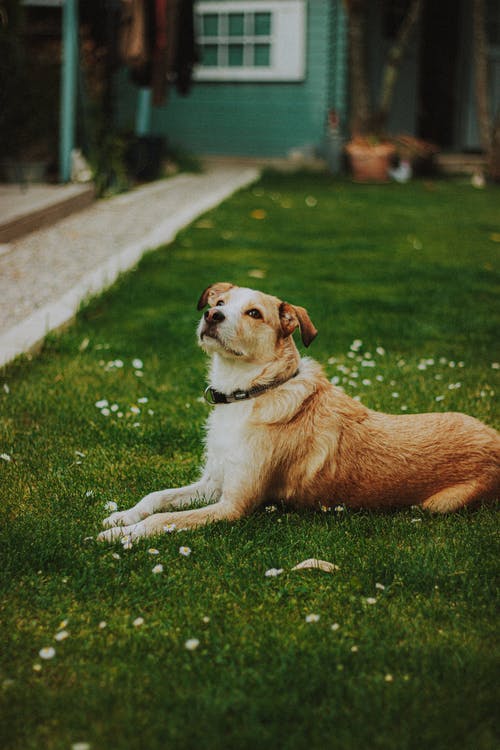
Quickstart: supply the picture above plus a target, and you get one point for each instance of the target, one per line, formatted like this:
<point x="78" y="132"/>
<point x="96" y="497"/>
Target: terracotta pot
<point x="370" y="163"/>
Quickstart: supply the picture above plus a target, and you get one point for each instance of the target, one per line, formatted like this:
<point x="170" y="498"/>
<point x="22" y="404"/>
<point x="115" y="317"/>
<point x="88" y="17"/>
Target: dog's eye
<point x="220" y="303"/>
<point x="254" y="313"/>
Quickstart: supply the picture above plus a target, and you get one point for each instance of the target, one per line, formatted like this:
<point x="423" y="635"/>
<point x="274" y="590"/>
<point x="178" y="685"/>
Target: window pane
<point x="236" y="24"/>
<point x="235" y="57"/>
<point x="262" y="55"/>
<point x="262" y="22"/>
<point x="210" y="24"/>
<point x="209" y="55"/>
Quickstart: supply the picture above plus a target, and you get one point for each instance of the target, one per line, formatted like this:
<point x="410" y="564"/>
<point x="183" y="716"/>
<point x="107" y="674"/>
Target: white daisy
<point x="273" y="572"/>
<point x="312" y="618"/>
<point x="47" y="653"/>
<point x="110" y="506"/>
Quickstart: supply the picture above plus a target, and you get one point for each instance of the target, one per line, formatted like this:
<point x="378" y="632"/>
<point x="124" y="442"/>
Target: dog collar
<point x="214" y="397"/>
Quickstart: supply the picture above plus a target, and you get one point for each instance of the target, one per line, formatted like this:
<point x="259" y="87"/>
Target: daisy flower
<point x="47" y="653"/>
<point x="110" y="506"/>
<point x="273" y="572"/>
<point x="312" y="618"/>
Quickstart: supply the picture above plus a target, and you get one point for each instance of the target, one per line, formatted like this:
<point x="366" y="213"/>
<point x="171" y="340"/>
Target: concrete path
<point x="45" y="275"/>
<point x="26" y="208"/>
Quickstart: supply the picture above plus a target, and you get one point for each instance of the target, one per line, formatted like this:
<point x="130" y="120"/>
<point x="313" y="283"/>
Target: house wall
<point x="251" y="119"/>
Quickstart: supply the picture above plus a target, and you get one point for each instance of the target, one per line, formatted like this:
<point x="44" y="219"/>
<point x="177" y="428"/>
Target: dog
<point x="279" y="430"/>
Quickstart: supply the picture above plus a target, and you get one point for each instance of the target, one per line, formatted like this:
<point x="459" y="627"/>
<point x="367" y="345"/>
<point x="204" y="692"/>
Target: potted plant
<point x="370" y="150"/>
<point x="370" y="158"/>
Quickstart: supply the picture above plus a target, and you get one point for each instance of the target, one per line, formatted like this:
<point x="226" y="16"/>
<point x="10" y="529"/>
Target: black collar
<point x="213" y="397"/>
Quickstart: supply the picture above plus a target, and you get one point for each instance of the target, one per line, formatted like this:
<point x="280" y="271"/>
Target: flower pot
<point x="370" y="162"/>
<point x="144" y="157"/>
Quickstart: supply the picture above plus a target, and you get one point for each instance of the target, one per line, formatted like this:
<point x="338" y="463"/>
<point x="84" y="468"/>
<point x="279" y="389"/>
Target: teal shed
<point x="270" y="71"/>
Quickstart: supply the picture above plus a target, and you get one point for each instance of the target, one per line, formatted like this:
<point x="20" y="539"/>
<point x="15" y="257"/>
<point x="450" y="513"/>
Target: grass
<point x="409" y="270"/>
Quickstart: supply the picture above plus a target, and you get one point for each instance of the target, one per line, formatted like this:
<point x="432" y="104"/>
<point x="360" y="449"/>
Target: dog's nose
<point x="214" y="315"/>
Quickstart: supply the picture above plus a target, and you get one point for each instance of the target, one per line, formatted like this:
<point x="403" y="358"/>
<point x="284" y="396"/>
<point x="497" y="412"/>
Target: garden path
<point x="45" y="275"/>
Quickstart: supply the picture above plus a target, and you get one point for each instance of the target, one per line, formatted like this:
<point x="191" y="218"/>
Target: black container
<point x="145" y="157"/>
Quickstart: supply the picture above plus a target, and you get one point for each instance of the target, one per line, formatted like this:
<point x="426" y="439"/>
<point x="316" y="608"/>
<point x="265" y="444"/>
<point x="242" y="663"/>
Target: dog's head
<point x="247" y="324"/>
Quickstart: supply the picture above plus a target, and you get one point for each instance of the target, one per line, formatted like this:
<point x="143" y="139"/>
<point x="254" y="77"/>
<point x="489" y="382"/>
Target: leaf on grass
<point x="315" y="564"/>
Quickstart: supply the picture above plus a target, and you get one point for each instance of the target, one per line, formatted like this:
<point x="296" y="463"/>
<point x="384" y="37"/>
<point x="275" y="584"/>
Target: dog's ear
<point x="211" y="292"/>
<point x="292" y="316"/>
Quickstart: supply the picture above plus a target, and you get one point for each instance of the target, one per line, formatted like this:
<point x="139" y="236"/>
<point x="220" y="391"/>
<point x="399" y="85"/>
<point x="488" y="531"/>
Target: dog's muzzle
<point x="211" y="320"/>
<point x="214" y="316"/>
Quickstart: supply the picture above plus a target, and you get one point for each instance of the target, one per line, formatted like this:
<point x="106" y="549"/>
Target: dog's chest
<point x="227" y="434"/>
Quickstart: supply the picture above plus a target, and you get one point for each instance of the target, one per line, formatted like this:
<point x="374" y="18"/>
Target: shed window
<point x="251" y="40"/>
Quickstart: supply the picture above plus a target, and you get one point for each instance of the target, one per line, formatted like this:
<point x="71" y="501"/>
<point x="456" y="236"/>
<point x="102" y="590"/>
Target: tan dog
<point x="280" y="431"/>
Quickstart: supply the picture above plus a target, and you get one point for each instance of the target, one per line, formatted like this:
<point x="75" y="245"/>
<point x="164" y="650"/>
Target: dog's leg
<point x="203" y="491"/>
<point x="453" y="498"/>
<point x="158" y="523"/>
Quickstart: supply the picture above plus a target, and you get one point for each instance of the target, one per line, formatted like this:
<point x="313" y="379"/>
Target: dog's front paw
<point x="122" y="518"/>
<point x="132" y="532"/>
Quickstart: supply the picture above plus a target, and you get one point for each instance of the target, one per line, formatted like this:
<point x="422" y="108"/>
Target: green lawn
<point x="411" y="662"/>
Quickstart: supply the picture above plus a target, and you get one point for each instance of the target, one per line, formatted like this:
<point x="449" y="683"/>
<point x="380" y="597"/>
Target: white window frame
<point x="287" y="41"/>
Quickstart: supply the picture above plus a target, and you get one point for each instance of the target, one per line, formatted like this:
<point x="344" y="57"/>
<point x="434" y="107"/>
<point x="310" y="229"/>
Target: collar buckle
<point x="209" y="396"/>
